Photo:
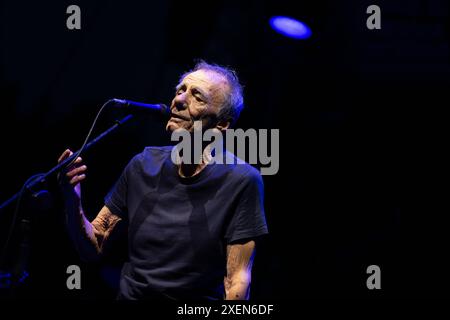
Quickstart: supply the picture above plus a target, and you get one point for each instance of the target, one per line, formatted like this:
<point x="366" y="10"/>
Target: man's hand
<point x="70" y="178"/>
<point x="86" y="238"/>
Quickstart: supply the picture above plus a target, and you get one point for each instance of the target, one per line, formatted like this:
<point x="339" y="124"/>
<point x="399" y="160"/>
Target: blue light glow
<point x="290" y="27"/>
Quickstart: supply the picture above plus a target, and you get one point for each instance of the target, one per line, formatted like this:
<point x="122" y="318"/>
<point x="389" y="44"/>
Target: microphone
<point x="133" y="106"/>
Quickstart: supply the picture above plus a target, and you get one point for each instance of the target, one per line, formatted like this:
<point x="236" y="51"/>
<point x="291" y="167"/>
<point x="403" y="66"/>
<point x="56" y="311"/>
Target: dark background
<point x="361" y="115"/>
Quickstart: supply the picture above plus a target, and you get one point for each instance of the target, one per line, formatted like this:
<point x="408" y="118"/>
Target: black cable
<point x="89" y="134"/>
<point x="24" y="187"/>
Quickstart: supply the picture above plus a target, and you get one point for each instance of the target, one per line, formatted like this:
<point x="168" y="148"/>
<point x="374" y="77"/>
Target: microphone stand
<point x="55" y="170"/>
<point x="34" y="188"/>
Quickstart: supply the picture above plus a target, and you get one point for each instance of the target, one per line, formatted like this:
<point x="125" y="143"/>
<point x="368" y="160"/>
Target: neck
<point x="190" y="170"/>
<point x="186" y="170"/>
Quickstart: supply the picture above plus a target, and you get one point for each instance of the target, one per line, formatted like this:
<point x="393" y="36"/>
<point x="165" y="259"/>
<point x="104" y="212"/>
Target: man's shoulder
<point x="157" y="150"/>
<point x="242" y="170"/>
<point x="151" y="156"/>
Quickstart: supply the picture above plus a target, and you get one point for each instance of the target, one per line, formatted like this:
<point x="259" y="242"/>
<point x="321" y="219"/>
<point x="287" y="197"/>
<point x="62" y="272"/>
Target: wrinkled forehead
<point x="208" y="80"/>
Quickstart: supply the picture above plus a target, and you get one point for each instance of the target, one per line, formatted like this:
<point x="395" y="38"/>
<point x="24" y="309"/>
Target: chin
<point x="171" y="126"/>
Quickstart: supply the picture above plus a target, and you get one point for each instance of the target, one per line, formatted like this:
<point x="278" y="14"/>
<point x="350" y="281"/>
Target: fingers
<point x="77" y="179"/>
<point x="77" y="170"/>
<point x="75" y="164"/>
<point x="65" y="155"/>
<point x="75" y="173"/>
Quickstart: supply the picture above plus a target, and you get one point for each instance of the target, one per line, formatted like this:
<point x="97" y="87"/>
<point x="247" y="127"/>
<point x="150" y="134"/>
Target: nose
<point x="179" y="102"/>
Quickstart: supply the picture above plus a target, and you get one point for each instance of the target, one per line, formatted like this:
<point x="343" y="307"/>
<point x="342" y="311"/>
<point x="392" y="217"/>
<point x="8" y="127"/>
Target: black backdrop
<point x="361" y="115"/>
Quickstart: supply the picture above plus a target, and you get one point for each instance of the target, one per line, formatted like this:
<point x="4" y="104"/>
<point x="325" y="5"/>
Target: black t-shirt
<point x="178" y="228"/>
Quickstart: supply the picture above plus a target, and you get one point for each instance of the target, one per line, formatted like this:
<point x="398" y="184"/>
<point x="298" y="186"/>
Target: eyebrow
<point x="200" y="91"/>
<point x="179" y="86"/>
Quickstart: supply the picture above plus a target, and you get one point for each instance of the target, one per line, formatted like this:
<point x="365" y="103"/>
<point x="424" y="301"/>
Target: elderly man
<point x="191" y="226"/>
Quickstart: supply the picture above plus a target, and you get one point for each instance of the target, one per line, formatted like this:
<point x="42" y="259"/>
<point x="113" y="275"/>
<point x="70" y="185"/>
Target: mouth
<point x="177" y="116"/>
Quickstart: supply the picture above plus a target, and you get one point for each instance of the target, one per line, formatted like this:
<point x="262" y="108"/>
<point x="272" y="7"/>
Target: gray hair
<point x="234" y="101"/>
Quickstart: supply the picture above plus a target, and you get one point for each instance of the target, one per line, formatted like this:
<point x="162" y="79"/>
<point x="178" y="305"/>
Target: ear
<point x="223" y="125"/>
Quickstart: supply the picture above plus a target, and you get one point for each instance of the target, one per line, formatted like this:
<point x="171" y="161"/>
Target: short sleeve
<point x="248" y="220"/>
<point x="116" y="199"/>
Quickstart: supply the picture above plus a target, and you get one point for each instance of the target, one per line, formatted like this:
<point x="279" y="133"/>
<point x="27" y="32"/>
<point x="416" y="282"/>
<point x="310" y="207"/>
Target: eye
<point x="198" y="98"/>
<point x="197" y="95"/>
<point x="180" y="89"/>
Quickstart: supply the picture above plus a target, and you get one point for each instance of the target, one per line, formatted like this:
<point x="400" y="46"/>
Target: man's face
<point x="199" y="96"/>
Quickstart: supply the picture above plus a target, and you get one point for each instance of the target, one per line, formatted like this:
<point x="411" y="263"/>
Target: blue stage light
<point x="290" y="27"/>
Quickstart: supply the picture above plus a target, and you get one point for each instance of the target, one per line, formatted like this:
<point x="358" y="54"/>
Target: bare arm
<point x="239" y="266"/>
<point x="89" y="238"/>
